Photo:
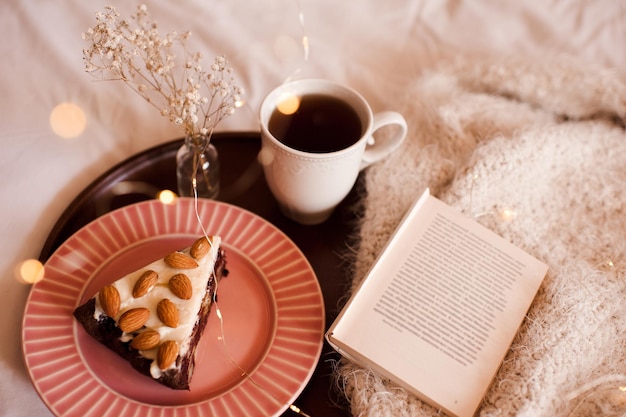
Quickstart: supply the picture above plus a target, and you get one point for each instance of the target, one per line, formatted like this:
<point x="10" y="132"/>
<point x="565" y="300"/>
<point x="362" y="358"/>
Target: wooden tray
<point x="243" y="184"/>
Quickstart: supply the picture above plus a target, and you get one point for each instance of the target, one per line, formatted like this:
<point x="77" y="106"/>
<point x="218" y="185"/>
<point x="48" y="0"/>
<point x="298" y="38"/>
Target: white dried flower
<point x="134" y="52"/>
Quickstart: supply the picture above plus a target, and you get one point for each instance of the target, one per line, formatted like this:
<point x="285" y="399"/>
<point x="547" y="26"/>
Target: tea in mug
<point x="320" y="124"/>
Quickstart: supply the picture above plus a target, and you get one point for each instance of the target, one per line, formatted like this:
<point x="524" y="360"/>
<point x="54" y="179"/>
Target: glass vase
<point x="198" y="168"/>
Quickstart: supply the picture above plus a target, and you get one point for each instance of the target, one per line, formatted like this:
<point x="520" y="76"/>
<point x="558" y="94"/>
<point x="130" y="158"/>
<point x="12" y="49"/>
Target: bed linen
<point x="386" y="50"/>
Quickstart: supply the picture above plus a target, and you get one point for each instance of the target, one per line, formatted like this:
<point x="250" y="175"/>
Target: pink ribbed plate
<point x="253" y="362"/>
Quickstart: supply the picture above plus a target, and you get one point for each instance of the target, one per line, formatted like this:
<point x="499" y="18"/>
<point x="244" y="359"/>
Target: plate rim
<point x="121" y="397"/>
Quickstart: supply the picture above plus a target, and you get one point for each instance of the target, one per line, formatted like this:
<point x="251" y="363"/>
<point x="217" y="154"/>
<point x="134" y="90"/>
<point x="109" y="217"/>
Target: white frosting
<point x="187" y="309"/>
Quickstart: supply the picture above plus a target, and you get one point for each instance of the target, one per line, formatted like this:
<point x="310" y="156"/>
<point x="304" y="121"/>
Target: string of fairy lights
<point x="68" y="120"/>
<point x="244" y="373"/>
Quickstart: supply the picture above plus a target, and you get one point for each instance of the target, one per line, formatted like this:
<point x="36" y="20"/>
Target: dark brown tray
<point x="243" y="184"/>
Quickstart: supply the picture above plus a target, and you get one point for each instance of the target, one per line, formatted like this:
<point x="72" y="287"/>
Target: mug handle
<point x="377" y="150"/>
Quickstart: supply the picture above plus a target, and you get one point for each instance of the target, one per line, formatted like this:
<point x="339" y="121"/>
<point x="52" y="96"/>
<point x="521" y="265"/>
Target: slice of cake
<point x="154" y="317"/>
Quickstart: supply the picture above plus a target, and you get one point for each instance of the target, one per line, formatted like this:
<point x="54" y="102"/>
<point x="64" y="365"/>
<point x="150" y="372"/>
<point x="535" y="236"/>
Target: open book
<point x="440" y="307"/>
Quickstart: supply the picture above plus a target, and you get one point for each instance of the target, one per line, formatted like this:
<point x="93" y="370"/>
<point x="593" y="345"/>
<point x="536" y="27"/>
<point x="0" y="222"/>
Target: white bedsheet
<point x="373" y="45"/>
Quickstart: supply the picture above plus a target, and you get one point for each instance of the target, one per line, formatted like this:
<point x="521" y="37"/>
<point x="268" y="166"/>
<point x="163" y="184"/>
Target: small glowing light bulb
<point x="305" y="45"/>
<point x="288" y="104"/>
<point x="30" y="271"/>
<point x="508" y="214"/>
<point x="67" y="120"/>
<point x="167" y="196"/>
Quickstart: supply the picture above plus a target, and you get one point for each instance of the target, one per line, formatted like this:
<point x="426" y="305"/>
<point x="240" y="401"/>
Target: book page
<point x="440" y="307"/>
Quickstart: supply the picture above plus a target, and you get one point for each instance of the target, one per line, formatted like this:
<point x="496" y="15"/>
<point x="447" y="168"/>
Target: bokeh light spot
<point x="508" y="214"/>
<point x="288" y="104"/>
<point x="67" y="120"/>
<point x="167" y="197"/>
<point x="29" y="271"/>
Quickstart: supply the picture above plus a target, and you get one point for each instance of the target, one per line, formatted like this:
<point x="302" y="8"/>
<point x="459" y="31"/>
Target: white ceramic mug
<point x="309" y="185"/>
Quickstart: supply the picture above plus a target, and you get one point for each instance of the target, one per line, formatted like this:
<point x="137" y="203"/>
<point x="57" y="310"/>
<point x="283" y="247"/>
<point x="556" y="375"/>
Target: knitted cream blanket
<point x="537" y="153"/>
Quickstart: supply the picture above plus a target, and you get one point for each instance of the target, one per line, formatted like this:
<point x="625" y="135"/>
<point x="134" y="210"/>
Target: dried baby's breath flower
<point x="133" y="51"/>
